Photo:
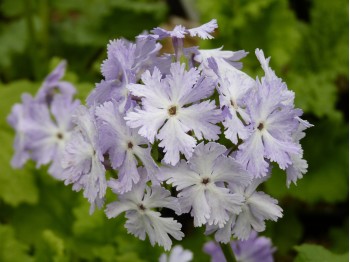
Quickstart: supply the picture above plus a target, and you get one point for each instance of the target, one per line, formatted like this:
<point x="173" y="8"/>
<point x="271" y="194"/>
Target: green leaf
<point x="340" y="238"/>
<point x="51" y="248"/>
<point x="53" y="210"/>
<point x="11" y="250"/>
<point x="286" y="232"/>
<point x="13" y="39"/>
<point x="315" y="253"/>
<point x="10" y="8"/>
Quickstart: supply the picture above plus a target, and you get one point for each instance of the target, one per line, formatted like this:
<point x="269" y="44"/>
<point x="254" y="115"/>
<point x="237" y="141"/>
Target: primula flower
<point x="223" y="57"/>
<point x="256" y="208"/>
<point x="82" y="159"/>
<point x="125" y="63"/>
<point x="125" y="146"/>
<point x="233" y="88"/>
<point x="26" y="116"/>
<point x="17" y="119"/>
<point x="180" y="31"/>
<point x="273" y="121"/>
<point x="177" y="254"/>
<point x="254" y="249"/>
<point x="53" y="83"/>
<point x="299" y="166"/>
<point x="141" y="217"/>
<point x="172" y="106"/>
<point x="48" y="129"/>
<point x="200" y="181"/>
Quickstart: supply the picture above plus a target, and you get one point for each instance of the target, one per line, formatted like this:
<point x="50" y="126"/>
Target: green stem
<point x="228" y="253"/>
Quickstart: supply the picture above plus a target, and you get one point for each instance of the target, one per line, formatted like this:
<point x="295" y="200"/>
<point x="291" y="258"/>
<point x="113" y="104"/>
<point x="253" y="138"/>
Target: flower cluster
<point x="156" y="122"/>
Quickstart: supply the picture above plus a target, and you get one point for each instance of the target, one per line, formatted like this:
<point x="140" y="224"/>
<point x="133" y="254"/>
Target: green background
<point x="43" y="220"/>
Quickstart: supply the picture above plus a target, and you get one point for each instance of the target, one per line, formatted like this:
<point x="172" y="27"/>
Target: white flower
<point x="82" y="159"/>
<point x="256" y="208"/>
<point x="201" y="184"/>
<point x="171" y="105"/>
<point x="142" y="219"/>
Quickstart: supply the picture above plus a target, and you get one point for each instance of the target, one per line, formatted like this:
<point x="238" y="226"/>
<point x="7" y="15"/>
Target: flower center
<point x="172" y="110"/>
<point x="130" y="145"/>
<point x="142" y="207"/>
<point x="59" y="135"/>
<point x="261" y="126"/>
<point x="233" y="103"/>
<point x="205" y="180"/>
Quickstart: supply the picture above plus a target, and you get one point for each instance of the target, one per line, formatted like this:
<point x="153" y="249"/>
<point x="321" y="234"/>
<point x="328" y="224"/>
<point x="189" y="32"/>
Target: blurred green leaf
<point x="53" y="211"/>
<point x="340" y="238"/>
<point x="10" y="8"/>
<point x="51" y="248"/>
<point x="286" y="232"/>
<point x="315" y="253"/>
<point x="11" y="250"/>
<point x="13" y="39"/>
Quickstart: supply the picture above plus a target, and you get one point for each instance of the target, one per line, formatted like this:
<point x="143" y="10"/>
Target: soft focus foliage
<point x="43" y="220"/>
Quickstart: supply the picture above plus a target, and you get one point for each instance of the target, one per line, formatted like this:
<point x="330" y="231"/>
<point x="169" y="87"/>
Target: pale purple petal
<point x="204" y="30"/>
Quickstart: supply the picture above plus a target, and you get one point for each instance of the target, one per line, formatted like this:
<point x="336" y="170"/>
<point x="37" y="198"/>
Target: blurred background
<point x="42" y="220"/>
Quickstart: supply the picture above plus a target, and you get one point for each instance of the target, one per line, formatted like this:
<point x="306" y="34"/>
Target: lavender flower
<point x="167" y="108"/>
<point x="39" y="120"/>
<point x="233" y="88"/>
<point x="82" y="159"/>
<point x="299" y="166"/>
<point x="254" y="249"/>
<point x="125" y="64"/>
<point x="48" y="129"/>
<point x="180" y="31"/>
<point x="17" y="119"/>
<point x="141" y="217"/>
<point x="256" y="208"/>
<point x="177" y="254"/>
<point x="199" y="181"/>
<point x="125" y="146"/>
<point x="186" y="109"/>
<point x="53" y="83"/>
<point x="273" y="121"/>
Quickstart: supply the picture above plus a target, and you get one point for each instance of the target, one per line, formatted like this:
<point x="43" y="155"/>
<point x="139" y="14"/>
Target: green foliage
<point x="43" y="220"/>
<point x="11" y="250"/>
<point x="36" y="30"/>
<point x="314" y="253"/>
<point x="286" y="233"/>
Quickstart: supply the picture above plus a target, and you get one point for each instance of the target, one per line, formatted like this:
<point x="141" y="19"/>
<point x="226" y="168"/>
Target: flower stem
<point x="228" y="253"/>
